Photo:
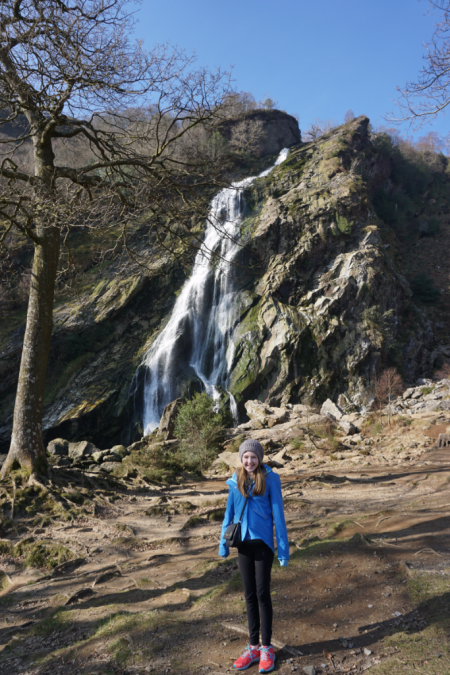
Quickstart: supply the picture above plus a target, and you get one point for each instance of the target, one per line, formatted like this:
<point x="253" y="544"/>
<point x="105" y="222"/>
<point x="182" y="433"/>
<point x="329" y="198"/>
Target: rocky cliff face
<point x="322" y="300"/>
<point x="268" y="131"/>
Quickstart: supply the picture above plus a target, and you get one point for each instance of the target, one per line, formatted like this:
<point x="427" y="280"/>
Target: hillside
<point x="333" y="236"/>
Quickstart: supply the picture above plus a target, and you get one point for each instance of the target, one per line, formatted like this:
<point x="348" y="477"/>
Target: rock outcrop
<point x="268" y="131"/>
<point x="324" y="298"/>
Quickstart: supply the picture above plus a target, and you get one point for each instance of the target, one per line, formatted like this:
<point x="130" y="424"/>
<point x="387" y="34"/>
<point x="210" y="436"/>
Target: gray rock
<point x="119" y="450"/>
<point x="309" y="670"/>
<point x="94" y="468"/>
<point x="272" y="130"/>
<point x="300" y="409"/>
<point x="81" y="449"/>
<point x="256" y="409"/>
<point x="59" y="447"/>
<point x="330" y="409"/>
<point x="169" y="416"/>
<point x="231" y="459"/>
<point x="111" y="457"/>
<point x="108" y="466"/>
<point x="408" y="393"/>
<point x="64" y="461"/>
<point x="98" y="456"/>
<point x="367" y="651"/>
<point x="279" y="458"/>
<point x="347" y="427"/>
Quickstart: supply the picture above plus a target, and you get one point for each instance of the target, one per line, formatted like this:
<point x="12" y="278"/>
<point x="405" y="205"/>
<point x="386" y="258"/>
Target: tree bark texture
<point x="27" y="446"/>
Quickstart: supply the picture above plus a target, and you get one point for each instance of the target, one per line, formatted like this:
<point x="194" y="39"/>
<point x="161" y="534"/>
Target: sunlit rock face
<point x="323" y="300"/>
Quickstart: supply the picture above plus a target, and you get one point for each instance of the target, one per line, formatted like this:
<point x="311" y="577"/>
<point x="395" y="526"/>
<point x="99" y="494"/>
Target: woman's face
<point x="250" y="461"/>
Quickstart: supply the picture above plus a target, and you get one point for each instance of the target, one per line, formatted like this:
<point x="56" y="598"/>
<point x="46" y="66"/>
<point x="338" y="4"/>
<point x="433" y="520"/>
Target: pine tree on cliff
<point x="69" y="74"/>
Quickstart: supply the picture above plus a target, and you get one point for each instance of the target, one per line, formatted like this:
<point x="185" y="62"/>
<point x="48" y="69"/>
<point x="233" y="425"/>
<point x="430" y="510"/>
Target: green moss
<point x="344" y="225"/>
<point x="41" y="554"/>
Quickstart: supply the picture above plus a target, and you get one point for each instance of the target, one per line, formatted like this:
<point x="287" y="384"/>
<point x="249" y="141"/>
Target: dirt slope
<point x="147" y="592"/>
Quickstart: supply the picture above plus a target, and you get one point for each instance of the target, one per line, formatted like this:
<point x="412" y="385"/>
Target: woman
<point x="264" y="507"/>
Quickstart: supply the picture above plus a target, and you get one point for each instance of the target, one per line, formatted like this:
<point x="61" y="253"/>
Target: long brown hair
<point x="260" y="481"/>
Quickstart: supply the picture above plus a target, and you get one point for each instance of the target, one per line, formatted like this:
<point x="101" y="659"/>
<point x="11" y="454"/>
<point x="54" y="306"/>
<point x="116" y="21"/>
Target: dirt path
<point x="148" y="592"/>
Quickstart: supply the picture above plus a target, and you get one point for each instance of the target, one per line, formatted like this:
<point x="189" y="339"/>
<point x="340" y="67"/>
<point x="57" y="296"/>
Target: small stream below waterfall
<point x="196" y="343"/>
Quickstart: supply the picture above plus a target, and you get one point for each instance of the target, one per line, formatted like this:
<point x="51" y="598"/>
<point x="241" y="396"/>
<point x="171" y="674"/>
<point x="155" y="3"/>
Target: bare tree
<point x="388" y="385"/>
<point x="432" y="142"/>
<point x="318" y="128"/>
<point x="422" y="99"/>
<point x="110" y="131"/>
<point x="349" y="116"/>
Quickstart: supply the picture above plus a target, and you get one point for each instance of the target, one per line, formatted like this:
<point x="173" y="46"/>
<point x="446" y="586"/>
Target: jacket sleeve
<point x="276" y="499"/>
<point x="224" y="551"/>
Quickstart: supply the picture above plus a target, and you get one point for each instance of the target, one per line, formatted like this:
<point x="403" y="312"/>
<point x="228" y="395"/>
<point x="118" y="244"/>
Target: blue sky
<point x="316" y="58"/>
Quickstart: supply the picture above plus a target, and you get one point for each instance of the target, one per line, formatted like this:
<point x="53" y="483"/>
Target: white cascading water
<point x="197" y="339"/>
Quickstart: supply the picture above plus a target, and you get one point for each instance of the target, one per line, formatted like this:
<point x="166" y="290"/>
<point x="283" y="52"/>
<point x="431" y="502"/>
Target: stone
<point x="58" y="447"/>
<point x="367" y="651"/>
<point x="309" y="670"/>
<point x="300" y="409"/>
<point x="256" y="409"/>
<point x="258" y="423"/>
<point x="64" y="461"/>
<point x="347" y="427"/>
<point x="330" y="409"/>
<point x="408" y="393"/>
<point x="81" y="449"/>
<point x="279" y="457"/>
<point x="231" y="459"/>
<point x="94" y="468"/>
<point x="119" y="450"/>
<point x="273" y="420"/>
<point x="169" y="416"/>
<point x="98" y="456"/>
<point x="108" y="466"/>
<point x="111" y="457"/>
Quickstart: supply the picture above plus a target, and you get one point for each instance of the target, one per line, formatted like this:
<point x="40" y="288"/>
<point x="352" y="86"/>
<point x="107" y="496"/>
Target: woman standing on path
<point x="257" y="487"/>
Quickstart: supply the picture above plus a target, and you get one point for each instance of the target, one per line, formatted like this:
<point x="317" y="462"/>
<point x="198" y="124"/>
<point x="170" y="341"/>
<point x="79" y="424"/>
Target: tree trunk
<point x="27" y="448"/>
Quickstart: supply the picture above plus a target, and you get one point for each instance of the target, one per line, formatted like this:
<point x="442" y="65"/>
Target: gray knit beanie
<point x="252" y="446"/>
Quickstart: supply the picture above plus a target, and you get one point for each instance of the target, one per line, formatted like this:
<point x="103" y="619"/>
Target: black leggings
<point x="255" y="563"/>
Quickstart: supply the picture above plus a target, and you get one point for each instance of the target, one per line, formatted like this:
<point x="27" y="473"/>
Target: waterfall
<point x="196" y="342"/>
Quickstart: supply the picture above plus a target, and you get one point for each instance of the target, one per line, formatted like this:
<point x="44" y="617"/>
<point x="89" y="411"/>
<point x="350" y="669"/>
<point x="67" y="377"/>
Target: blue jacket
<point x="260" y="515"/>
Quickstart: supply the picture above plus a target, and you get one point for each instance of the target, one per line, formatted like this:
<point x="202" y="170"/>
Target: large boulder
<point x="81" y="449"/>
<point x="58" y="447"/>
<point x="347" y="427"/>
<point x="330" y="409"/>
<point x="266" y="131"/>
<point x="256" y="409"/>
<point x="169" y="416"/>
<point x="231" y="459"/>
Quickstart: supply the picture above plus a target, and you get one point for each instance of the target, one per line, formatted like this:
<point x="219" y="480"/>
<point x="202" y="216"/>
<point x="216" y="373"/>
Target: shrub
<point x="343" y="224"/>
<point x="423" y="288"/>
<point x="199" y="428"/>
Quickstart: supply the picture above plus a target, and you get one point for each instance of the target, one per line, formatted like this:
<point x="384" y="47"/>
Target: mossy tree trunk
<point x="27" y="448"/>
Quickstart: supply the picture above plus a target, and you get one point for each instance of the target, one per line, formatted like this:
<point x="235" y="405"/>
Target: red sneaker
<point x="248" y="657"/>
<point x="267" y="662"/>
